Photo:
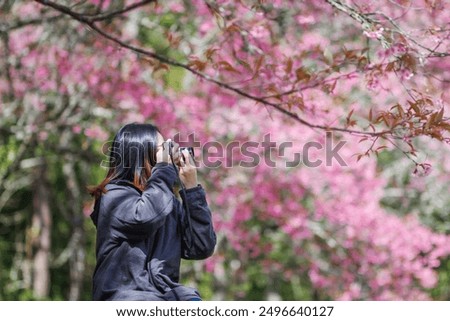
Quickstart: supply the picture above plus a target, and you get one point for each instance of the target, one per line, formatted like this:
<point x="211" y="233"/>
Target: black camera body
<point x="189" y="149"/>
<point x="180" y="150"/>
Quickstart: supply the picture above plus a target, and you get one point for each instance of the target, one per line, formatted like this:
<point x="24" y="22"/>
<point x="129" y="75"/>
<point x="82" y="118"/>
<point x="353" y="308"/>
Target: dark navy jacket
<point x="142" y="236"/>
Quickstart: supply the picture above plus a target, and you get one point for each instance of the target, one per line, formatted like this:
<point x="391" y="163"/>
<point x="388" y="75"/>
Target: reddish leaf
<point x="226" y="66"/>
<point x="210" y="52"/>
<point x="302" y="74"/>
<point x="197" y="65"/>
<point x="289" y="64"/>
<point x="440" y="115"/>
<point x="390" y="66"/>
<point x="258" y="64"/>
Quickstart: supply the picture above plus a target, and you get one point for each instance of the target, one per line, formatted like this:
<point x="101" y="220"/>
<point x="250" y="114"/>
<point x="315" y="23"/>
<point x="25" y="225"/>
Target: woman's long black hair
<point x="132" y="156"/>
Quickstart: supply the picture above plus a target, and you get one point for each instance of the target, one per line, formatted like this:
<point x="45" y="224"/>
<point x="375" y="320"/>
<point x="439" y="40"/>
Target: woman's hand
<point x="162" y="154"/>
<point x="188" y="171"/>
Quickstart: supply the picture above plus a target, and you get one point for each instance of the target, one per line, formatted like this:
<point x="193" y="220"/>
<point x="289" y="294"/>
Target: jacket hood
<point x="94" y="214"/>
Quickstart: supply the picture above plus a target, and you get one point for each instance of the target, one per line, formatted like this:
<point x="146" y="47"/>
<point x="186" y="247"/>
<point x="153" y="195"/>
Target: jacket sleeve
<point x="136" y="215"/>
<point x="198" y="242"/>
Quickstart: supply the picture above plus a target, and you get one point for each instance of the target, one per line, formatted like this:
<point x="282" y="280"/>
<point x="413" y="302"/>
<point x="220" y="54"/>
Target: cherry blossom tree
<point x="279" y="81"/>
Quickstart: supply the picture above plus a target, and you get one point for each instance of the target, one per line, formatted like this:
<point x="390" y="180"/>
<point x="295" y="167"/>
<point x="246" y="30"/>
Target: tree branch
<point x="91" y="18"/>
<point x="7" y="66"/>
<point x="432" y="52"/>
<point x="368" y="23"/>
<point x="89" y="22"/>
<point x="109" y="15"/>
<point x="4" y="28"/>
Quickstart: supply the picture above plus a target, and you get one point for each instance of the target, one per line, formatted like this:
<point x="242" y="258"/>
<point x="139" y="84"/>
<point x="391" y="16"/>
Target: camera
<point x="180" y="150"/>
<point x="189" y="149"/>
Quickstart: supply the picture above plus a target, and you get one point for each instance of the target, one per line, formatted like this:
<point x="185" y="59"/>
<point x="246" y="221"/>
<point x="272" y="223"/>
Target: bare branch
<point x="109" y="15"/>
<point x="4" y="28"/>
<point x="20" y="154"/>
<point x="7" y="65"/>
<point x="368" y="24"/>
<point x="65" y="10"/>
<point x="91" y="18"/>
<point x="319" y="82"/>
<point x="11" y="187"/>
<point x="432" y="52"/>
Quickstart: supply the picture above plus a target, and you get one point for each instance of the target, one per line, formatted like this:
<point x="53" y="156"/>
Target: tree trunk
<point x="77" y="259"/>
<point x="41" y="230"/>
<point x="77" y="265"/>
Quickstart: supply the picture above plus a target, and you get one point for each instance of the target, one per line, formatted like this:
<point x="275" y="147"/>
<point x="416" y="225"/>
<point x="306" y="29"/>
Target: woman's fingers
<point x="182" y="158"/>
<point x="172" y="150"/>
<point x="188" y="170"/>
<point x="169" y="150"/>
<point x="186" y="158"/>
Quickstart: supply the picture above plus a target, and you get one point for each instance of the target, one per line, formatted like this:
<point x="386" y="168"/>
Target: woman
<point x="143" y="230"/>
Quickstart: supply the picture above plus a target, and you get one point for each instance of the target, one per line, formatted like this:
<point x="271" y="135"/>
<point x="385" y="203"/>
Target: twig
<point x="432" y="52"/>
<point x="23" y="23"/>
<point x="404" y="152"/>
<point x="91" y="18"/>
<point x="108" y="15"/>
<point x="366" y="22"/>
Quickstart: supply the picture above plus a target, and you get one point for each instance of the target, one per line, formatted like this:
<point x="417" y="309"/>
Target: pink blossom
<point x="427" y="278"/>
<point x="106" y="3"/>
<point x="43" y="135"/>
<point x="176" y="7"/>
<point x="374" y="34"/>
<point x="76" y="129"/>
<point x="96" y="132"/>
<point x="305" y="20"/>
